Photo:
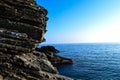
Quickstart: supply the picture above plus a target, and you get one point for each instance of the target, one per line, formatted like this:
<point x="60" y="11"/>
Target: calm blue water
<point x="91" y="61"/>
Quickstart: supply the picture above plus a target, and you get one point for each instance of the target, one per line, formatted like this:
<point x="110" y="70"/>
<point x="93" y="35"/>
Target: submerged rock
<point x="22" y="26"/>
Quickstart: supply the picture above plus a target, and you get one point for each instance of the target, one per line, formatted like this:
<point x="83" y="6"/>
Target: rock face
<point x="22" y="26"/>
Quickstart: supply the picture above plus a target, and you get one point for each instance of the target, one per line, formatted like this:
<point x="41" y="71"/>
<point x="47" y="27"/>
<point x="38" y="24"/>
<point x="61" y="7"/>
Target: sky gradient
<point x="82" y="21"/>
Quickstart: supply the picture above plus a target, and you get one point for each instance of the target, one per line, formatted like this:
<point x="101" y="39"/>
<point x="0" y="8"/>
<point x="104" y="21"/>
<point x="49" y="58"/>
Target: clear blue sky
<point x="80" y="21"/>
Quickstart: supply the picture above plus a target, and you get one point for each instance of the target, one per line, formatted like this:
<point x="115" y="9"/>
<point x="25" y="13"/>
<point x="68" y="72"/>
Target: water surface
<point x="92" y="61"/>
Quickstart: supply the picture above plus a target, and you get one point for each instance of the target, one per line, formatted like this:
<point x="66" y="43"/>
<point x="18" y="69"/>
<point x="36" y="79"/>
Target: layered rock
<point x="22" y="26"/>
<point x="30" y="66"/>
<point x="56" y="60"/>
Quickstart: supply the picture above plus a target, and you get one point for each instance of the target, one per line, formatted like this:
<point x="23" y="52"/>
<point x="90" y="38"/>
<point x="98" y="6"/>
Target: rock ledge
<point x="56" y="60"/>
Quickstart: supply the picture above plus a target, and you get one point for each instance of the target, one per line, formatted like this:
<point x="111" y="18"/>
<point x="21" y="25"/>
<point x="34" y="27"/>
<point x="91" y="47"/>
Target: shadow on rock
<point x="56" y="60"/>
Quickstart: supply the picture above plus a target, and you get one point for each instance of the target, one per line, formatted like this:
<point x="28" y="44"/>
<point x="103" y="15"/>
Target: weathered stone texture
<point x="22" y="26"/>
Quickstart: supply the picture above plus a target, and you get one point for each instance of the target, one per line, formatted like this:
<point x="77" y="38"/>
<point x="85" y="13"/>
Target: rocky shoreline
<point x="56" y="60"/>
<point x="22" y="28"/>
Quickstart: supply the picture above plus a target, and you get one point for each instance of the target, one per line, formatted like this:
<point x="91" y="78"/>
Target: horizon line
<point x="83" y="43"/>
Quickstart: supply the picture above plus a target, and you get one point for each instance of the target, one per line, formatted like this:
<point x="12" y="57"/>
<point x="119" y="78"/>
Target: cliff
<point x="22" y="26"/>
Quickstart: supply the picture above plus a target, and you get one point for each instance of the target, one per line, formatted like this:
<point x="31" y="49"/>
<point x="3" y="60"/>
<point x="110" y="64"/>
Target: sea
<point x="92" y="61"/>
